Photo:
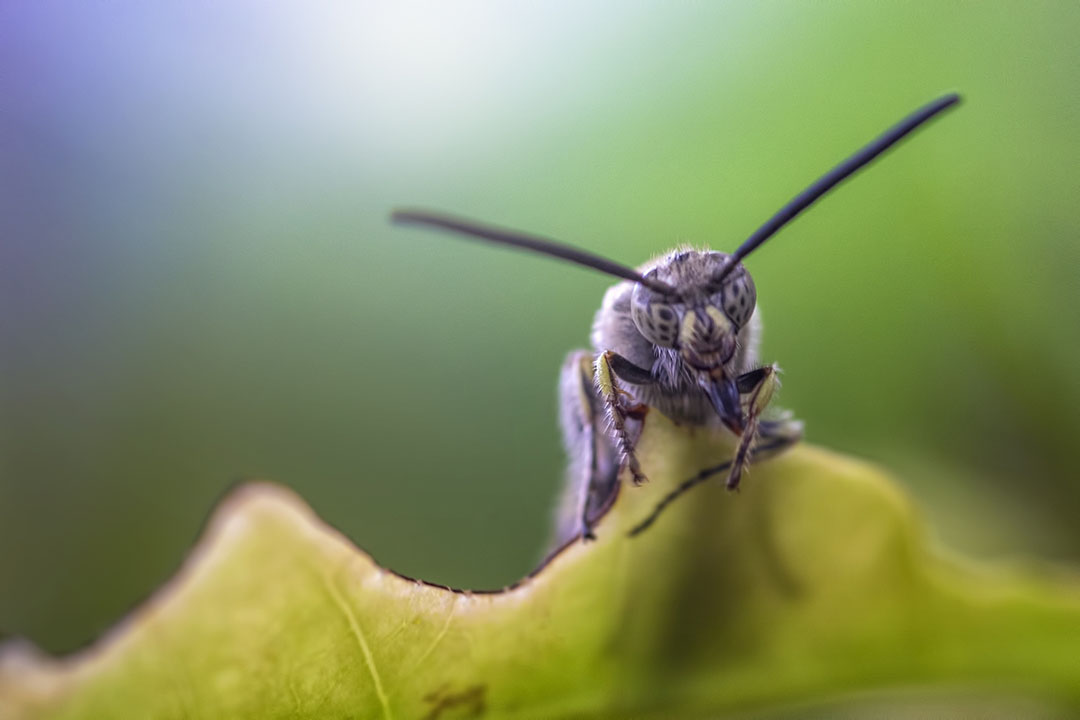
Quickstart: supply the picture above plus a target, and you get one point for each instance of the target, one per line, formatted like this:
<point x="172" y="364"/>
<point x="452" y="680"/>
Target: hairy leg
<point x="756" y="389"/>
<point x="592" y="469"/>
<point x="619" y="406"/>
<point x="772" y="438"/>
<point x="594" y="452"/>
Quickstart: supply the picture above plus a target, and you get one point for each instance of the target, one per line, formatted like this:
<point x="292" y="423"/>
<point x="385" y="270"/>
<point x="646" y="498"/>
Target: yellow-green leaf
<point x="816" y="579"/>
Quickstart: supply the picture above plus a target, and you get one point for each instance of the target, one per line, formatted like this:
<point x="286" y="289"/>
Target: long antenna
<point x="502" y="236"/>
<point x="835" y="176"/>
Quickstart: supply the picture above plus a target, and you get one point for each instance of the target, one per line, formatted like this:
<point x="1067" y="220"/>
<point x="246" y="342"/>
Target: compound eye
<point x="739" y="299"/>
<point x="655" y="319"/>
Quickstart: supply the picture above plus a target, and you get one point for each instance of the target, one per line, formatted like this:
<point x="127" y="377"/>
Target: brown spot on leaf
<point x="471" y="699"/>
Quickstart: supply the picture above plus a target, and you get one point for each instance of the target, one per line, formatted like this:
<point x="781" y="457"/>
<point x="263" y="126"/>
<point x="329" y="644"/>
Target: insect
<point x="680" y="335"/>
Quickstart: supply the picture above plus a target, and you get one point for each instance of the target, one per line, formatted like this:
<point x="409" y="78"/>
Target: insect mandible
<point x="680" y="335"/>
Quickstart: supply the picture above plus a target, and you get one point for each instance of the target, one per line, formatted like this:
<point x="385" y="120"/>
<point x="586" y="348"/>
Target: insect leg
<point x="766" y="447"/>
<point x="628" y="371"/>
<point x="773" y="437"/>
<point x="756" y="389"/>
<point x="617" y="410"/>
<point x="592" y="473"/>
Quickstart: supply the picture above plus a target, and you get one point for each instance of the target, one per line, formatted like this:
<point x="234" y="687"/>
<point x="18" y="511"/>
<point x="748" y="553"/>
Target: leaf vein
<point x="369" y="659"/>
<point x="438" y="638"/>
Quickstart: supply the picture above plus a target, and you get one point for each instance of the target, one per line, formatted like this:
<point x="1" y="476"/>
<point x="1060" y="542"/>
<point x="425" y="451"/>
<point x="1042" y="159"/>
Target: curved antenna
<point x="502" y="236"/>
<point x="835" y="176"/>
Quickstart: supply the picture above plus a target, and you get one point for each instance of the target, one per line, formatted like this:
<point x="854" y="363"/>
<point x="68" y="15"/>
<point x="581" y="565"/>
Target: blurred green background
<point x="198" y="283"/>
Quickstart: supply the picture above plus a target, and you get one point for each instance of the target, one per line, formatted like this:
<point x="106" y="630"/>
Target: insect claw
<point x="637" y="476"/>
